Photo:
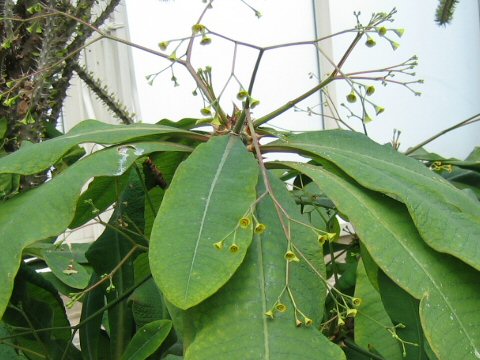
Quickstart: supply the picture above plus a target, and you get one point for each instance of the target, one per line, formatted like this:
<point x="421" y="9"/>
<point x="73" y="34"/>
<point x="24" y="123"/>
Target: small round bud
<point x="352" y="97"/>
<point x="242" y="94"/>
<point x="370" y="43"/>
<point x="205" y="40"/>
<point x="206" y="111"/>
<point x="198" y="28"/>
<point x="382" y="31"/>
<point x="163" y="45"/>
<point x="370" y="90"/>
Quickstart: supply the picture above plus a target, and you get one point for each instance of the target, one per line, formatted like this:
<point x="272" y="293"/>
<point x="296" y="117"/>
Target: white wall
<point x="449" y="62"/>
<point x="283" y="74"/>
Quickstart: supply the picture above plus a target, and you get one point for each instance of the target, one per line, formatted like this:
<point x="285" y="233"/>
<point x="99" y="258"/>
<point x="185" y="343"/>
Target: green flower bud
<point x="399" y="32"/>
<point x="198" y="28"/>
<point x="242" y="94"/>
<point x="352" y="97"/>
<point x="370" y="90"/>
<point x="254" y="103"/>
<point x="163" y="45"/>
<point x="205" y="40"/>
<point x="370" y="43"/>
<point x="382" y="31"/>
<point x="206" y="111"/>
<point x="379" y="109"/>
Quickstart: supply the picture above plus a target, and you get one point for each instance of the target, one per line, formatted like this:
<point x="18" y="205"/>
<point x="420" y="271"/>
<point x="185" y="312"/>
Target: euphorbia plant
<point x="210" y="254"/>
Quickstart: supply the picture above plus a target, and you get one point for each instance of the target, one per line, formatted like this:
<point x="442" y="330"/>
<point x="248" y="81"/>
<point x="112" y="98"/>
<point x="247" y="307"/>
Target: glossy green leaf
<point x="233" y="322"/>
<point x="3" y="127"/>
<point x="448" y="288"/>
<point x="447" y="218"/>
<point x="211" y="191"/>
<point x="152" y="204"/>
<point x="38" y="157"/>
<point x="8" y="352"/>
<point x="403" y="309"/>
<point x="35" y="304"/>
<point x="64" y="267"/>
<point x="147" y="304"/>
<point x="9" y="184"/>
<point x="372" y="322"/>
<point x="22" y="223"/>
<point x="147" y="340"/>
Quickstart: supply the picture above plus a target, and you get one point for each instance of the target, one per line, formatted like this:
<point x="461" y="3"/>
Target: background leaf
<point x="447" y="218"/>
<point x="372" y="320"/>
<point x="147" y="340"/>
<point x="386" y="229"/>
<point x="403" y="309"/>
<point x="22" y="224"/>
<point x="38" y="157"/>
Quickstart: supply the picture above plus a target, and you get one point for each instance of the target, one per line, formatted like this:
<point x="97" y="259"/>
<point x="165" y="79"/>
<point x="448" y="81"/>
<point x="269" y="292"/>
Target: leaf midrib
<point x="221" y="164"/>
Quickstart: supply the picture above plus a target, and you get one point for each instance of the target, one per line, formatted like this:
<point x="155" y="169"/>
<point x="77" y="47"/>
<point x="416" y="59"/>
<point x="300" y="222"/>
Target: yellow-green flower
<point x="290" y="256"/>
<point x="260" y="228"/>
<point x="245" y="222"/>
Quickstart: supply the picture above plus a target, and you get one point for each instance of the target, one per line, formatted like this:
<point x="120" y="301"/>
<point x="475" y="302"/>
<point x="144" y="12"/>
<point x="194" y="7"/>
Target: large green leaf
<point x="48" y="210"/>
<point x="448" y="289"/>
<point x="211" y="191"/>
<point x="372" y="322"/>
<point x="447" y="218"/>
<point x="35" y="158"/>
<point x="147" y="340"/>
<point x="233" y="323"/>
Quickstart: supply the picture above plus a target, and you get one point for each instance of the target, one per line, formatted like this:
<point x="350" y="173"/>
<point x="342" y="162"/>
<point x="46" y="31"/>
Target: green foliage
<point x="213" y="251"/>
